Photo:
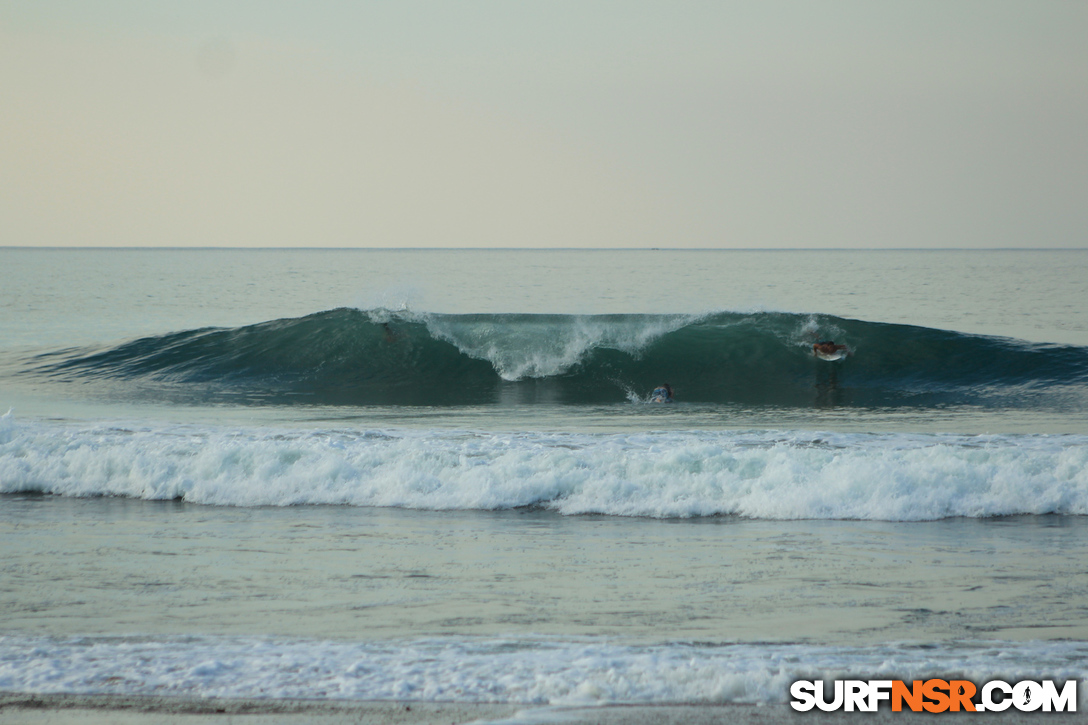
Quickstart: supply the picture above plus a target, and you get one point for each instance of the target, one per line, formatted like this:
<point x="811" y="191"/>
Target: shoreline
<point x="101" y="709"/>
<point x="71" y="709"/>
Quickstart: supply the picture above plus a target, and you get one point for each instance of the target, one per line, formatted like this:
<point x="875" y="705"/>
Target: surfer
<point x="662" y="394"/>
<point x="828" y="347"/>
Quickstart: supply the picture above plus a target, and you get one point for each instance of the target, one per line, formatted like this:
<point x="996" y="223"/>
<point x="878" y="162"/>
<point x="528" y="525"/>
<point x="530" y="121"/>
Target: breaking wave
<point x="755" y="474"/>
<point x="348" y="356"/>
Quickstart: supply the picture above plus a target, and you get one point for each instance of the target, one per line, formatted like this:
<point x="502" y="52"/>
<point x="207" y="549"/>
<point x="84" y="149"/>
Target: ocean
<point x="435" y="475"/>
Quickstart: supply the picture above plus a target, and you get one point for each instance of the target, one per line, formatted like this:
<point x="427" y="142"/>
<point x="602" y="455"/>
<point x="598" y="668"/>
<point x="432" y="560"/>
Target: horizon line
<point x="555" y="249"/>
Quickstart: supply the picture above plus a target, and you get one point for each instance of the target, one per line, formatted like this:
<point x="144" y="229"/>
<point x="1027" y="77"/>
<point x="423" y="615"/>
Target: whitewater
<point x="278" y="474"/>
<point x="760" y="474"/>
<point x="540" y="672"/>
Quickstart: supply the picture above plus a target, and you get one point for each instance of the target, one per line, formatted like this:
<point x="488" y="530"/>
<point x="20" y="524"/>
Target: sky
<point x="544" y="124"/>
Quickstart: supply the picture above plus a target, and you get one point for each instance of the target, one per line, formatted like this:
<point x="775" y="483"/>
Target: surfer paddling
<point x="828" y="347"/>
<point x="662" y="394"/>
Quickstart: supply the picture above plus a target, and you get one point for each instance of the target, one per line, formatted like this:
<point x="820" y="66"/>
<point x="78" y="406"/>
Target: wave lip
<point x="762" y="475"/>
<point x="347" y="356"/>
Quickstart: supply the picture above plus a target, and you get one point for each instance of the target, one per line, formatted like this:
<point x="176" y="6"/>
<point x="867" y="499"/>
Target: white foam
<point x="520" y="670"/>
<point x="769" y="475"/>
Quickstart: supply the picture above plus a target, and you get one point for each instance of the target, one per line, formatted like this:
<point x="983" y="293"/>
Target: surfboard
<point x="831" y="356"/>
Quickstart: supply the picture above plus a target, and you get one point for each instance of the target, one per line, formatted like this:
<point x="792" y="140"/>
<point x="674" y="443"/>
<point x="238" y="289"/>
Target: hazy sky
<point x="570" y="124"/>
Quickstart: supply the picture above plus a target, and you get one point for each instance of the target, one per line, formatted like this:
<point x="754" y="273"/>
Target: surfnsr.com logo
<point x="935" y="696"/>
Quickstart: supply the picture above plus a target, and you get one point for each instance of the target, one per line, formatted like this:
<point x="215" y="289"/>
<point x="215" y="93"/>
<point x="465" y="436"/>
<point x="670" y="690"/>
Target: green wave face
<point x="354" y="357"/>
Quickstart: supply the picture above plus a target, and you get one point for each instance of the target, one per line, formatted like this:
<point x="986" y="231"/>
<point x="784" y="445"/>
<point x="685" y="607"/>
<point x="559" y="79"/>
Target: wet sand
<point x="23" y="709"/>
